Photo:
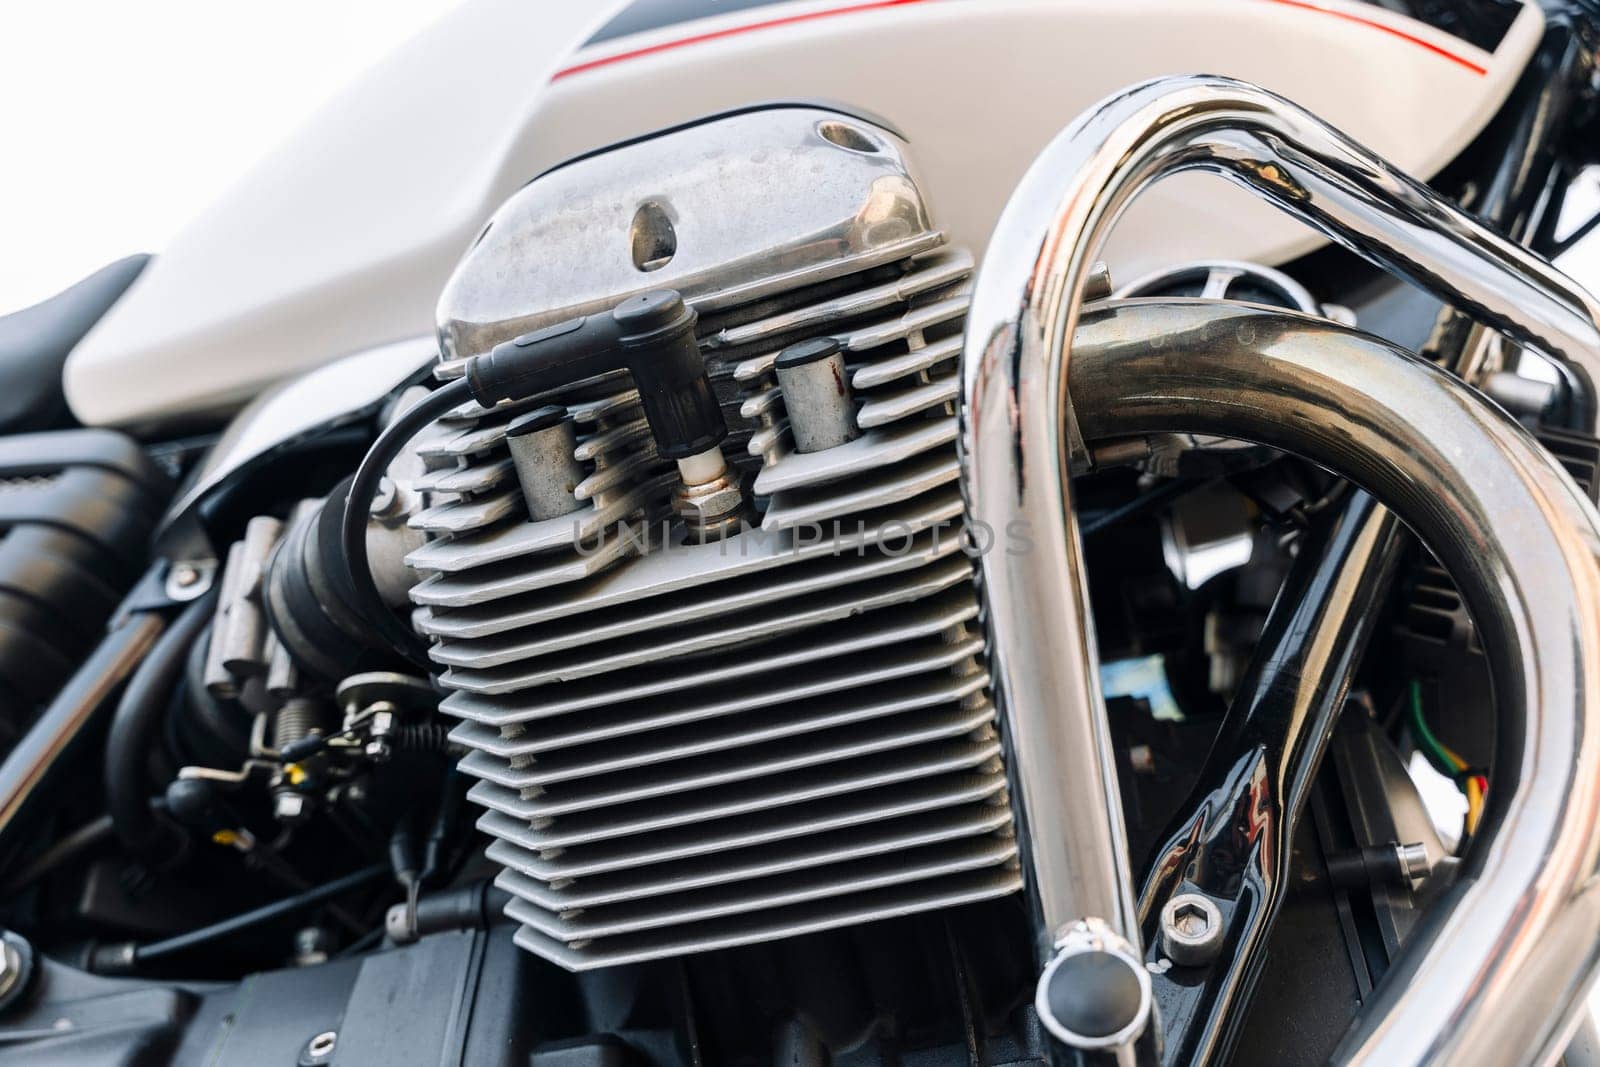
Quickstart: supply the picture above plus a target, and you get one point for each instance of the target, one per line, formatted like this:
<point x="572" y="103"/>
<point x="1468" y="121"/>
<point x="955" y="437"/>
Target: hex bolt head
<point x="1191" y="929"/>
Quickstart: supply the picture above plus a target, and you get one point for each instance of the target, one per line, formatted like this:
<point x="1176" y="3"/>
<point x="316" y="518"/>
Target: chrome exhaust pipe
<point x="1495" y="976"/>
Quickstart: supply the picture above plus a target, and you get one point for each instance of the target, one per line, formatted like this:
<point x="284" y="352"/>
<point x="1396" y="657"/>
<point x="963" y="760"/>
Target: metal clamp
<point x="1094" y="994"/>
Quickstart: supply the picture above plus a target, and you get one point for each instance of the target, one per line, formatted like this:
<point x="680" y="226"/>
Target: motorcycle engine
<point x="718" y="703"/>
<point x="627" y="697"/>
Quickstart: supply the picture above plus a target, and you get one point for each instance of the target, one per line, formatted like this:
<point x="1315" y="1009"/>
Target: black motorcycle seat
<point x="35" y="341"/>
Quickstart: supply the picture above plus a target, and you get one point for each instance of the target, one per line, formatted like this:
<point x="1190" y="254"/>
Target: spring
<point x="296" y="719"/>
<point x="422" y="737"/>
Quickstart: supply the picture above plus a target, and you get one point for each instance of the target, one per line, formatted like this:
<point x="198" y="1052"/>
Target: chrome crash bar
<point x="1497" y="969"/>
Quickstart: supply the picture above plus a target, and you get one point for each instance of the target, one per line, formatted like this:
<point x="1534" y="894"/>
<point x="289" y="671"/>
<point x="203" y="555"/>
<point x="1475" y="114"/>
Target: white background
<point x="119" y="121"/>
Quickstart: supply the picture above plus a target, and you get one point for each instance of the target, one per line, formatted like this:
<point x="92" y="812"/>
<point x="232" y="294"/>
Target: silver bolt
<point x="1191" y="929"/>
<point x="321" y="1046"/>
<point x="1414" y="861"/>
<point x="186" y="580"/>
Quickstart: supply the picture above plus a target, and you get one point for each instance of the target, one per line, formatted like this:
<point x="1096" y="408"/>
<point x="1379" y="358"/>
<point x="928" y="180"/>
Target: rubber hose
<point x="133" y="730"/>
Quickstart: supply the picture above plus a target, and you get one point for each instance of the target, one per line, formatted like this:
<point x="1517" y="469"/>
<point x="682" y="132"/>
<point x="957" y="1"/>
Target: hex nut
<point x="1191" y="929"/>
<point x="710" y="501"/>
<point x="710" y="510"/>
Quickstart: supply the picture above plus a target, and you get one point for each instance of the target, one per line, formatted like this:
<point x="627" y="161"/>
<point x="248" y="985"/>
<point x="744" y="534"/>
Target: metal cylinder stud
<point x="542" y="444"/>
<point x="816" y="393"/>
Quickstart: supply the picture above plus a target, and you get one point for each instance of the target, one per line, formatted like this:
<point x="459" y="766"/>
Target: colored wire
<point x="1447" y="761"/>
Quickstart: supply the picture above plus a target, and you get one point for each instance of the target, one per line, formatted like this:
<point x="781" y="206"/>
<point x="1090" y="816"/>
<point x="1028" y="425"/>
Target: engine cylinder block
<point x="683" y="745"/>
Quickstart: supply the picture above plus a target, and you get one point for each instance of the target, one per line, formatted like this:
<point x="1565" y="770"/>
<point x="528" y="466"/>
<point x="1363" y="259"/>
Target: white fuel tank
<point x="343" y="238"/>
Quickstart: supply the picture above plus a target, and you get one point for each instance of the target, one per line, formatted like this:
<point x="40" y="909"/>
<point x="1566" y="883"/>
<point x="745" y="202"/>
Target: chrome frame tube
<point x="1015" y="471"/>
<point x="1490" y="973"/>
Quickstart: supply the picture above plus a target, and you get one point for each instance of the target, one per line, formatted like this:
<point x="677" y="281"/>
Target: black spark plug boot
<point x="651" y="335"/>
